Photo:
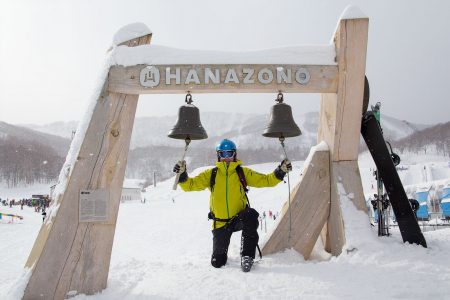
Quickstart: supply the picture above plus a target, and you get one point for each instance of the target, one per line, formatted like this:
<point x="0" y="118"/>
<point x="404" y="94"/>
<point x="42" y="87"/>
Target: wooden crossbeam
<point x="178" y="79"/>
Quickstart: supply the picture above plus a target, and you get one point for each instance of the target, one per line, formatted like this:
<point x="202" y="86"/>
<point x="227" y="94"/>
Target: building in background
<point x="445" y="202"/>
<point x="132" y="189"/>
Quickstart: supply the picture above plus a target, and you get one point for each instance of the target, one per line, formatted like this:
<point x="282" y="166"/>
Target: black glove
<point x="284" y="167"/>
<point x="180" y="168"/>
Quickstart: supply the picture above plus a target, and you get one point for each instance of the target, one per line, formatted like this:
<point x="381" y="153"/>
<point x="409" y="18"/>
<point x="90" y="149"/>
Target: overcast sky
<point x="51" y="52"/>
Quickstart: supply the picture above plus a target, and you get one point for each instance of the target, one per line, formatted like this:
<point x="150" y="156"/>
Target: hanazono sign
<point x="154" y="76"/>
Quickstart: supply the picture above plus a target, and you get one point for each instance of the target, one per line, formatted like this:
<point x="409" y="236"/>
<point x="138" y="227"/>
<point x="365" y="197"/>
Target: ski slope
<point x="162" y="251"/>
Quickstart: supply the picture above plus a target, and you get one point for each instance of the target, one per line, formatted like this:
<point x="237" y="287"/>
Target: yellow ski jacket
<point x="228" y="196"/>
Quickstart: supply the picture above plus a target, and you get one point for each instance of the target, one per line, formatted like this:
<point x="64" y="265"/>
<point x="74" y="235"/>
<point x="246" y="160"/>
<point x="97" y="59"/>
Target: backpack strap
<point x="241" y="175"/>
<point x="212" y="180"/>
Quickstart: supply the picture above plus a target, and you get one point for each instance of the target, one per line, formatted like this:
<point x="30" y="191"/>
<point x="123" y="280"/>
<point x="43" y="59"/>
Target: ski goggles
<point x="226" y="153"/>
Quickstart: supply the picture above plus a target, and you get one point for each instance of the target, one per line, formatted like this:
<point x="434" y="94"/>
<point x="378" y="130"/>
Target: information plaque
<point x="94" y="205"/>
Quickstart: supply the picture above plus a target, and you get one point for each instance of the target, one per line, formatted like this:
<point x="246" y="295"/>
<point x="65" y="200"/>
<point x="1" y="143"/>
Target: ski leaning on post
<point x="381" y="203"/>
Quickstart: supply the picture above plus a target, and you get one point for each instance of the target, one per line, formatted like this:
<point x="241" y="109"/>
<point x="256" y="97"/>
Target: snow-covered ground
<point x="162" y="251"/>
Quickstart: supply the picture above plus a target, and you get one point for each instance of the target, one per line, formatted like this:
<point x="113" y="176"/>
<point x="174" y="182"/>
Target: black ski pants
<point x="247" y="221"/>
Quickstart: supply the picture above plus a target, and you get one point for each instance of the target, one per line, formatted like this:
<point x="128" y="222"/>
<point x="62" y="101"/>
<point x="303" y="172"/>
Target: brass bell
<point x="281" y="123"/>
<point x="188" y="125"/>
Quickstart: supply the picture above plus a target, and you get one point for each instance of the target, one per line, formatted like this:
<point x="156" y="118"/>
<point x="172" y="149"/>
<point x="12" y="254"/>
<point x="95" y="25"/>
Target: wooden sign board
<point x="158" y="79"/>
<point x="94" y="206"/>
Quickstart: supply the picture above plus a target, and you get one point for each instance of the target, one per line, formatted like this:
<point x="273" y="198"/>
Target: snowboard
<point x="407" y="222"/>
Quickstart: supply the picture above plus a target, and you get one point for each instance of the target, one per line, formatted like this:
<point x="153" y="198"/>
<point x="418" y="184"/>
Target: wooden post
<point x="310" y="207"/>
<point x="70" y="256"/>
<point x="340" y="123"/>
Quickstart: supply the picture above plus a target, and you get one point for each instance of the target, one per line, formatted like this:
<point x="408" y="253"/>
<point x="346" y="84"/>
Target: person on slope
<point x="229" y="206"/>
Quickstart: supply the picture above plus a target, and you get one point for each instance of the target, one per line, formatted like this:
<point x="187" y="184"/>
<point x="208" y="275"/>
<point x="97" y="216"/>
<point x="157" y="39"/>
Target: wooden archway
<point x="72" y="252"/>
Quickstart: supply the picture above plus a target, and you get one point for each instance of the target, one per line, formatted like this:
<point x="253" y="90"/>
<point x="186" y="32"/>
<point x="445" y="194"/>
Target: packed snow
<point x="130" y="32"/>
<point x="162" y="55"/>
<point x="350" y="12"/>
<point x="162" y="250"/>
<point x="353" y="12"/>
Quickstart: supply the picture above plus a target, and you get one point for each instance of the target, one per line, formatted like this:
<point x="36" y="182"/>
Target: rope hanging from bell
<point x="188" y="127"/>
<point x="282" y="125"/>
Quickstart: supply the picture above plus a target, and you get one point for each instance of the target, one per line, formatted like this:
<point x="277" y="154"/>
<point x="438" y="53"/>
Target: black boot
<point x="246" y="263"/>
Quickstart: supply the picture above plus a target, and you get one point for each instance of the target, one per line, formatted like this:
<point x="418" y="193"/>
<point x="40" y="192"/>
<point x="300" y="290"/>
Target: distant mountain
<point x="152" y="151"/>
<point x="435" y="140"/>
<point x="61" y="128"/>
<point x="394" y="129"/>
<point x="29" y="135"/>
<point x="28" y="156"/>
<point x="244" y="129"/>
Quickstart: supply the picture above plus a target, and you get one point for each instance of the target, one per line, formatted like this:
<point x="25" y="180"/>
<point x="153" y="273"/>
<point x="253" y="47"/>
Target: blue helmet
<point x="225" y="145"/>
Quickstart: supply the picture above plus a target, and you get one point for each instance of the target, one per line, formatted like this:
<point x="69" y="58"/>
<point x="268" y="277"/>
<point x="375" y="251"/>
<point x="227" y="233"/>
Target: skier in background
<point x="229" y="207"/>
<point x="44" y="215"/>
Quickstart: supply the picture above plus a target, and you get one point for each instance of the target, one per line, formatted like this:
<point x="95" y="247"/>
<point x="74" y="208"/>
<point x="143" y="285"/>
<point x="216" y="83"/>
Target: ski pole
<point x="289" y="188"/>
<point x="175" y="184"/>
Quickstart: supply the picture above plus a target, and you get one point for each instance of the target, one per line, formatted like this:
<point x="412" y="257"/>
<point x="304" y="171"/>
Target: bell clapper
<point x="187" y="140"/>
<point x="188" y="98"/>
<point x="281" y="138"/>
<point x="279" y="98"/>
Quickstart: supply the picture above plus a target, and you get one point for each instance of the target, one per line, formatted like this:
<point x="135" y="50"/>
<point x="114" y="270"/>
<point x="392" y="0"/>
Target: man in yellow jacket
<point x="229" y="207"/>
